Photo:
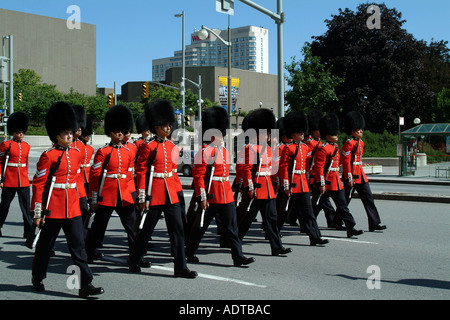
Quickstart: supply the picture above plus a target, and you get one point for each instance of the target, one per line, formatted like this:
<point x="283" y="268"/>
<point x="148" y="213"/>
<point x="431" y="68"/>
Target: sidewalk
<point x="428" y="174"/>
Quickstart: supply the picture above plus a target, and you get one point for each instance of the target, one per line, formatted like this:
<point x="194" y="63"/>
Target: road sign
<point x="225" y="6"/>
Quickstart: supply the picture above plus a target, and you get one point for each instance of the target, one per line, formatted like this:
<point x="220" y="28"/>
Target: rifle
<point x="254" y="172"/>
<point x="6" y="163"/>
<point x="32" y="239"/>
<point x="209" y="176"/>
<point x="328" y="171"/>
<point x="90" y="220"/>
<point x="149" y="176"/>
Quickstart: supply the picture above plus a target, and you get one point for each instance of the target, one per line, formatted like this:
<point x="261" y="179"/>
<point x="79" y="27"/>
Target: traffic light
<point x="186" y="121"/>
<point x="110" y="100"/>
<point x="145" y="89"/>
<point x="20" y="96"/>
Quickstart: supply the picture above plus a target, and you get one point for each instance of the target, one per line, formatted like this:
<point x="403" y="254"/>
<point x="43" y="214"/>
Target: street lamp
<point x="182" y="15"/>
<point x="203" y="34"/>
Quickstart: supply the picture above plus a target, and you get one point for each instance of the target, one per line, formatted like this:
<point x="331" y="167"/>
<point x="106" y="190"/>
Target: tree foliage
<point x="312" y="85"/>
<point x="384" y="69"/>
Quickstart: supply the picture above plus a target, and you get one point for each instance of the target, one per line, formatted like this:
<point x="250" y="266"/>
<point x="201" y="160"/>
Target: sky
<point x="130" y="34"/>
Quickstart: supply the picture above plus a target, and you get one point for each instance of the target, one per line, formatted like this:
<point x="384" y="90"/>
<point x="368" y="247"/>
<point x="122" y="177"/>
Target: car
<point x="185" y="162"/>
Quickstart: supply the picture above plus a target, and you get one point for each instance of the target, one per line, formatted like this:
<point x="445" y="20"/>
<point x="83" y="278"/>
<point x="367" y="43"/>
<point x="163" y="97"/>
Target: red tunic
<point x="313" y="144"/>
<point x="77" y="144"/>
<point x="116" y="179"/>
<point x="64" y="201"/>
<point x="133" y="149"/>
<point x="163" y="181"/>
<point x="86" y="163"/>
<point x="16" y="174"/>
<point x="220" y="184"/>
<point x="331" y="178"/>
<point x="300" y="170"/>
<point x="247" y="159"/>
<point x="351" y="160"/>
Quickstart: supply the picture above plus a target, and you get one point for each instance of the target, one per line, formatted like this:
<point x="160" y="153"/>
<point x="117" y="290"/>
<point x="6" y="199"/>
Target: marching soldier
<point x="80" y="114"/>
<point x="293" y="169"/>
<point x="86" y="160"/>
<point x="14" y="170"/>
<point x="353" y="173"/>
<point x="314" y="143"/>
<point x="327" y="174"/>
<point x="157" y="189"/>
<point x="280" y="198"/>
<point x="109" y="187"/>
<point x="254" y="166"/>
<point x="56" y="204"/>
<point x="213" y="189"/>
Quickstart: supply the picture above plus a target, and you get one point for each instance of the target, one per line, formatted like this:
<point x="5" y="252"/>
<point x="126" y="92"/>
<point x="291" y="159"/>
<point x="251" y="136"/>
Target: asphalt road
<point x="408" y="261"/>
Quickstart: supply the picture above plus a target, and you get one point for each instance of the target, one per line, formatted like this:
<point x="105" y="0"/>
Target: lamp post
<point x="203" y="34"/>
<point x="182" y="15"/>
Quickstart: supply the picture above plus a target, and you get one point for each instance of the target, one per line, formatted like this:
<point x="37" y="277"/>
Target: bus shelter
<point x="422" y="144"/>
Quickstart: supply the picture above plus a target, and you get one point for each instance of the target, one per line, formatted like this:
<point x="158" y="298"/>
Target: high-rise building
<point x="249" y="51"/>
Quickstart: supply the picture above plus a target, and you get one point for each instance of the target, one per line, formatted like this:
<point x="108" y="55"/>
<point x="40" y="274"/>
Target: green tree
<point x="382" y="68"/>
<point x="312" y="85"/>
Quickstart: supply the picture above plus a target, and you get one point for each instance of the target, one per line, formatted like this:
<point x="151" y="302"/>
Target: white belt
<point x="264" y="173"/>
<point x="299" y="172"/>
<point x="333" y="169"/>
<point x="116" y="176"/>
<point x="217" y="178"/>
<point x="162" y="175"/>
<point x="18" y="165"/>
<point x="65" y="185"/>
<point x="357" y="163"/>
<point x="85" y="165"/>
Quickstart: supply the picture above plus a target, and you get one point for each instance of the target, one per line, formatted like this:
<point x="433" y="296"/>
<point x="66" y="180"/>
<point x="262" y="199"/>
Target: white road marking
<point x="213" y="277"/>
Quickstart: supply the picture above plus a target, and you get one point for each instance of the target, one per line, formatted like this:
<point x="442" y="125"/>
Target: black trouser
<point x="24" y="203"/>
<point x="74" y="231"/>
<point x="269" y="217"/>
<point x="227" y="222"/>
<point x="301" y="207"/>
<point x="174" y="223"/>
<point x="328" y="210"/>
<point x="342" y="211"/>
<point x="366" y="196"/>
<point x="96" y="234"/>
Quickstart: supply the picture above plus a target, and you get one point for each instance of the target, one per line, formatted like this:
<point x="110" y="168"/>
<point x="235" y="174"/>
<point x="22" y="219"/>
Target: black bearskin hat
<point x="352" y="121"/>
<point x="88" y="130"/>
<point x="313" y="120"/>
<point x="117" y="118"/>
<point x="215" y="117"/>
<point x="281" y="126"/>
<point x="81" y="115"/>
<point x="141" y="124"/>
<point x="296" y="121"/>
<point x="159" y="112"/>
<point x="60" y="116"/>
<point x="261" y="118"/>
<point x="17" y="121"/>
<point x="329" y="125"/>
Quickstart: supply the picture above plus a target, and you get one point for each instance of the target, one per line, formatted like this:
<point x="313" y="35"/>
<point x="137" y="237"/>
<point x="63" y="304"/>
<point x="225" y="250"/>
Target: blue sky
<point x="131" y="33"/>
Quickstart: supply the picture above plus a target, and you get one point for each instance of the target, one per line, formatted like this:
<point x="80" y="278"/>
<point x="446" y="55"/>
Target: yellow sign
<point x="223" y="91"/>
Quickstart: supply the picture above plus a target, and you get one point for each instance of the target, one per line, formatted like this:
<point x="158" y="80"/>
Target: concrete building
<point x="60" y="56"/>
<point x="249" y="51"/>
<point x="255" y="89"/>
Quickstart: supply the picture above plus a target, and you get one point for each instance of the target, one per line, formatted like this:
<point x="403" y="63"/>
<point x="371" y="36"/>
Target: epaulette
<point x="51" y="148"/>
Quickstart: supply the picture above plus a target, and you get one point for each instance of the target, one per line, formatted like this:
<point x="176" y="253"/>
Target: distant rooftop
<point x="433" y="128"/>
